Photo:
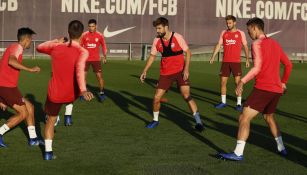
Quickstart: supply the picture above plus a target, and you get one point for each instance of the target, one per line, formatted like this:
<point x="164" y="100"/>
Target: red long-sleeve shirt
<point x="68" y="63"/>
<point x="268" y="55"/>
<point x="91" y="41"/>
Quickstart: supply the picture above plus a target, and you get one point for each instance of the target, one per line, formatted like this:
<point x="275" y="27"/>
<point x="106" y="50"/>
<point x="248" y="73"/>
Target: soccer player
<point x="10" y="66"/>
<point x="68" y="77"/>
<point x="232" y="40"/>
<point x="268" y="88"/>
<point x="173" y="68"/>
<point x="92" y="40"/>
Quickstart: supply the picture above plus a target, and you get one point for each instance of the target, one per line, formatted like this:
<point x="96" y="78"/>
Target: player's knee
<point x="23" y="113"/>
<point x="156" y="99"/>
<point x="187" y="98"/>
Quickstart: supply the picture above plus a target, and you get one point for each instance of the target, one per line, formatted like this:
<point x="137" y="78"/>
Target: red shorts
<point x="166" y="81"/>
<point x="228" y="67"/>
<point x="263" y="101"/>
<point x="51" y="108"/>
<point x="96" y="65"/>
<point x="11" y="96"/>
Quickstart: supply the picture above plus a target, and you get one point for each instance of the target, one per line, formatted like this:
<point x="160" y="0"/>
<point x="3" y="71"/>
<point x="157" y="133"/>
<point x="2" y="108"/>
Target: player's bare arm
<point x="186" y="71"/>
<point x="149" y="62"/>
<point x="14" y="63"/>
<point x="247" y="64"/>
<point x="215" y="52"/>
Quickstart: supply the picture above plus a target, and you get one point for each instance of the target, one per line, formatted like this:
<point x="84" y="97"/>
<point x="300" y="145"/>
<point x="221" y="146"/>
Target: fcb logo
<point x="96" y="39"/>
<point x="236" y="36"/>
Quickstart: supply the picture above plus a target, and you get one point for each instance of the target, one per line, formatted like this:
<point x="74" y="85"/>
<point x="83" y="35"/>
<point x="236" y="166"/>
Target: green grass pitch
<point x="111" y="138"/>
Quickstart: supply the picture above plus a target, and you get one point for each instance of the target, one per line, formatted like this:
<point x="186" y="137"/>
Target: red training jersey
<point x="267" y="55"/>
<point x="68" y="63"/>
<point x="173" y="64"/>
<point x="9" y="75"/>
<point x="232" y="43"/>
<point x="91" y="42"/>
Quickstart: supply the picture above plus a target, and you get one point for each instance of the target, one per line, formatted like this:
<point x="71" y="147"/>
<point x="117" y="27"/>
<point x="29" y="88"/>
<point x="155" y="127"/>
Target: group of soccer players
<point x="71" y="58"/>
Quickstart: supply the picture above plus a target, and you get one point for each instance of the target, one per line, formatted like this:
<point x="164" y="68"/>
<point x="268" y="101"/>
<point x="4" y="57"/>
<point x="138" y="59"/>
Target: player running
<point x="10" y="66"/>
<point x="68" y="77"/>
<point x="232" y="40"/>
<point x="268" y="88"/>
<point x="173" y="68"/>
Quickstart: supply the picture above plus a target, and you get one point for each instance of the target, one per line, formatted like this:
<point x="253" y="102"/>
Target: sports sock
<point x="32" y="132"/>
<point x="68" y="110"/>
<point x="48" y="145"/>
<point x="239" y="148"/>
<point x="156" y="116"/>
<point x="280" y="144"/>
<point x="3" y="129"/>
<point x="197" y="117"/>
<point x="239" y="100"/>
<point x="223" y="99"/>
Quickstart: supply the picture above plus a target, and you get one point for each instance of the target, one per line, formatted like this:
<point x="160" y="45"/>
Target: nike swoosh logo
<point x="108" y="34"/>
<point x="274" y="33"/>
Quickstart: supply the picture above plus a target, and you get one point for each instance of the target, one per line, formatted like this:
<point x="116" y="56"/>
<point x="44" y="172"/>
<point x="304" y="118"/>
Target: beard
<point x="161" y="34"/>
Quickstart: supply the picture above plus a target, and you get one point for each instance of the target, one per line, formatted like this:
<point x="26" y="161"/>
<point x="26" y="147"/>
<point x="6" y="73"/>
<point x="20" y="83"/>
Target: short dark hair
<point x="231" y="17"/>
<point x="92" y="21"/>
<point x="256" y="22"/>
<point x="160" y="21"/>
<point x="23" y="32"/>
<point x="75" y="29"/>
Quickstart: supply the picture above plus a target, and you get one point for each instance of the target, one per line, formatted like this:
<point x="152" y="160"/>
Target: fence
<point x="139" y="51"/>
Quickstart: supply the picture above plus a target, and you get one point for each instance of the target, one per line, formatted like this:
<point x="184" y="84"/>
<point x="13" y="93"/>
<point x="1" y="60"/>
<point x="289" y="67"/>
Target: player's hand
<point x="186" y="75"/>
<point x="239" y="88"/>
<point x="143" y="77"/>
<point x="3" y="107"/>
<point x="247" y="64"/>
<point x="104" y="60"/>
<point x="35" y="69"/>
<point x="88" y="96"/>
<point x="284" y="87"/>
<point x="62" y="40"/>
<point x="211" y="61"/>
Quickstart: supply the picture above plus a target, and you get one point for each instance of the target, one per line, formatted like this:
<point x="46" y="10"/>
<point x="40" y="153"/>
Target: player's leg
<point x="164" y="83"/>
<point x="185" y="91"/>
<point x="156" y="107"/>
<point x="49" y="135"/>
<point x="237" y="72"/>
<point x="100" y="80"/>
<point x="243" y="133"/>
<point x="12" y="98"/>
<point x="30" y="120"/>
<point x="21" y="115"/>
<point x="269" y="118"/>
<point x="52" y="110"/>
<point x="68" y="114"/>
<point x="224" y="75"/>
<point x="98" y="72"/>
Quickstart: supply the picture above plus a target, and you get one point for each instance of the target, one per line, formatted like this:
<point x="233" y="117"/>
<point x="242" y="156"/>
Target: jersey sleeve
<point x="221" y="37"/>
<point x="257" y="55"/>
<point x="103" y="45"/>
<point x="288" y="66"/>
<point x="181" y="41"/>
<point x="16" y="50"/>
<point x="80" y="69"/>
<point x="154" y="50"/>
<point x="47" y="46"/>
